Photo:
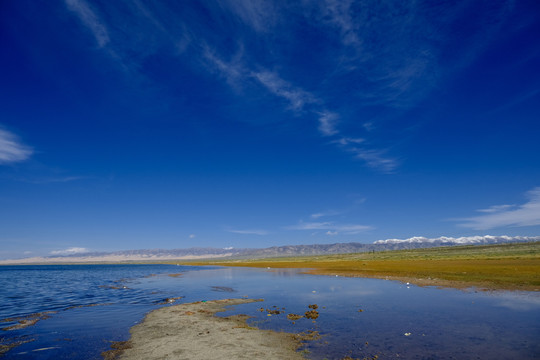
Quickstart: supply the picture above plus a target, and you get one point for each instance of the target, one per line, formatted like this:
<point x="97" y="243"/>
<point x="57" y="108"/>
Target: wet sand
<point x="192" y="331"/>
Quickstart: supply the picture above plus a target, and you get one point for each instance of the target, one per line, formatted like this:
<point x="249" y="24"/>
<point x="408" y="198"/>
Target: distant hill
<point x="275" y="251"/>
<point x="195" y="252"/>
<point x="130" y="255"/>
<point x="382" y="245"/>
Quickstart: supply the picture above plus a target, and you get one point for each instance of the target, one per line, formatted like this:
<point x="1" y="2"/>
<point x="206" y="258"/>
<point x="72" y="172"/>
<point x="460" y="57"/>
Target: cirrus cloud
<point x="385" y="54"/>
<point x="527" y="214"/>
<point x="89" y="18"/>
<point x="12" y="149"/>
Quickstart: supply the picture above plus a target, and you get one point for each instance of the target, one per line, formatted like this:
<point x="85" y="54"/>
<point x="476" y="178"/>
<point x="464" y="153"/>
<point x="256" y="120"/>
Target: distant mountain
<point x="275" y="251"/>
<point x="382" y="245"/>
<point x="467" y="240"/>
<point x="174" y="253"/>
<point x="130" y="255"/>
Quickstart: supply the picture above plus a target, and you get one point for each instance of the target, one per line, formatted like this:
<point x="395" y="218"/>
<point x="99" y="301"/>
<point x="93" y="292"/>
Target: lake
<point x="92" y="305"/>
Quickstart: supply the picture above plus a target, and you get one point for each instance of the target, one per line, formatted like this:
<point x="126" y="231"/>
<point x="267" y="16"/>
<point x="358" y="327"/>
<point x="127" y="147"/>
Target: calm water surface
<point x="357" y="317"/>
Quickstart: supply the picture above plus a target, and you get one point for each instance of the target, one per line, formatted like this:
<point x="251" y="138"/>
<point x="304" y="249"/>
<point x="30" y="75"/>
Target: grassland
<point x="513" y="266"/>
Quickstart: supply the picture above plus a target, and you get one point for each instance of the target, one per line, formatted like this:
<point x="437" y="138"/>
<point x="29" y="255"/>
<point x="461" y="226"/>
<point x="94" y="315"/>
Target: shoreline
<point x="452" y="279"/>
<point x="514" y="267"/>
<point x="192" y="331"/>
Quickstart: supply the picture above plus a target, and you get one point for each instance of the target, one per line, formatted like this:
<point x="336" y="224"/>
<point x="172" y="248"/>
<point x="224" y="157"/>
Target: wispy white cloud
<point x="249" y="232"/>
<point x="236" y="72"/>
<point x="348" y="229"/>
<point x="192" y="236"/>
<point x="56" y="179"/>
<point x="369" y="54"/>
<point x="89" y="18"/>
<point x="390" y="54"/>
<point x="399" y="50"/>
<point x="153" y="27"/>
<point x="374" y="158"/>
<point x="352" y="228"/>
<point x="258" y="14"/>
<point x="369" y="126"/>
<point x="70" y="251"/>
<point x="311" y="226"/>
<point x="358" y="199"/>
<point x="297" y="99"/>
<point x="327" y="120"/>
<point x="12" y="149"/>
<point x="338" y="13"/>
<point x="325" y="213"/>
<point x="233" y="70"/>
<point x="527" y="214"/>
<point x="348" y="141"/>
<point x="145" y="12"/>
<point x="157" y="16"/>
<point x="296" y="96"/>
<point x="496" y="208"/>
<point x="327" y="123"/>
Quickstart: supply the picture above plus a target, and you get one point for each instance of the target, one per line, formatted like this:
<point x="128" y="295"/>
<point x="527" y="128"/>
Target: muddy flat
<point x="192" y="331"/>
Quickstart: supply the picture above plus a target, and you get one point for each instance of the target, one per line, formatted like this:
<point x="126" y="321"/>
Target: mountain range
<point x="275" y="251"/>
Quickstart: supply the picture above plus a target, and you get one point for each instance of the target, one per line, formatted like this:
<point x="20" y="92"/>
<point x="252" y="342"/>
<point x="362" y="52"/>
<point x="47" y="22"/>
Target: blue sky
<point x="141" y="124"/>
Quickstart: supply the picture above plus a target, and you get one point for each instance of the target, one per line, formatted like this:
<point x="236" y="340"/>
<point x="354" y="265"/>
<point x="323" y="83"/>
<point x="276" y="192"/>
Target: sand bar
<point x="192" y="331"/>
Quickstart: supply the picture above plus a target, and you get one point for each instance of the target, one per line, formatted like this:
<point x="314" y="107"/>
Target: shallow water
<point x="395" y="321"/>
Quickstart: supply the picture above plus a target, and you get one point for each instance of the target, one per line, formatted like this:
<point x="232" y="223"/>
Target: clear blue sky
<point x="169" y="124"/>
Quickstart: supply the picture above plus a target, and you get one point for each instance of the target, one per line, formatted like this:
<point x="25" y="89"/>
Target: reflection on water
<point x="360" y="318"/>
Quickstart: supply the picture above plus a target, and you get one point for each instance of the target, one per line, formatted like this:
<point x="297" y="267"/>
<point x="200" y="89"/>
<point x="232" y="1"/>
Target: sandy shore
<point x="191" y="331"/>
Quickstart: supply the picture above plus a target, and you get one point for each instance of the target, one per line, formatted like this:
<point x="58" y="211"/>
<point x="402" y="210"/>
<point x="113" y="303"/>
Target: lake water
<point x="93" y="305"/>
